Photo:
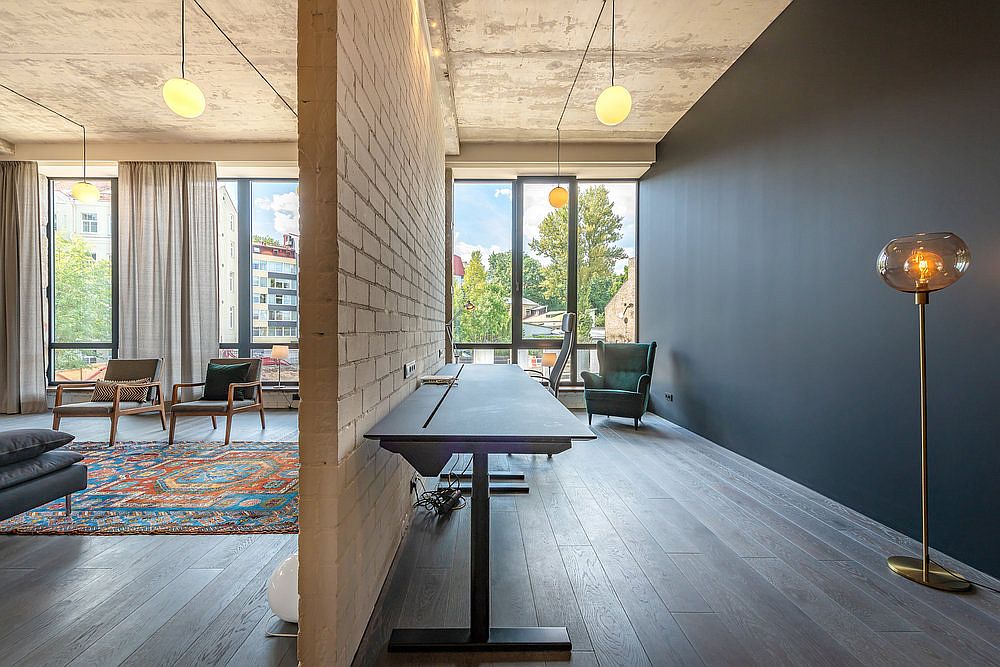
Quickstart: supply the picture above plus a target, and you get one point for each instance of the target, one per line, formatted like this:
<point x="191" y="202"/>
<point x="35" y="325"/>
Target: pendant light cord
<point x="577" y="77"/>
<point x="254" y="67"/>
<point x="183" y="45"/>
<point x="612" y="42"/>
<point x="66" y="118"/>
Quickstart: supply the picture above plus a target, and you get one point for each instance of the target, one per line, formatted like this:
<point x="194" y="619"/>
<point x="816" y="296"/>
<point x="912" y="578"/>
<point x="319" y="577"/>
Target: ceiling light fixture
<point x="614" y="104"/>
<point x="182" y="95"/>
<point x="83" y="191"/>
<point x="559" y="196"/>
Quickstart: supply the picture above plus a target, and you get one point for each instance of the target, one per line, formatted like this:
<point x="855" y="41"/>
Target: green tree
<point x="531" y="269"/>
<point x="488" y="321"/>
<point x="599" y="231"/>
<point x="266" y="240"/>
<point x="82" y="305"/>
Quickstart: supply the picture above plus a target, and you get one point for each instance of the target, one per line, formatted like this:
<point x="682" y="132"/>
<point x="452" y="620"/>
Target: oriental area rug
<point x="146" y="488"/>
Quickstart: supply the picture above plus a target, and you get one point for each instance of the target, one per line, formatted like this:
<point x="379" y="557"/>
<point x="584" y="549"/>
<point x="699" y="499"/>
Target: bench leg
<point x="69" y="505"/>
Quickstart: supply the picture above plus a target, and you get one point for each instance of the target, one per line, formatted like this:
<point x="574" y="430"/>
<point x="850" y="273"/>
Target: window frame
<point x="518" y="341"/>
<point x="244" y="279"/>
<point x="50" y="230"/>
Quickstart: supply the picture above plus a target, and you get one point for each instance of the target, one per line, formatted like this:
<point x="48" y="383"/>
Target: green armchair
<point x="621" y="389"/>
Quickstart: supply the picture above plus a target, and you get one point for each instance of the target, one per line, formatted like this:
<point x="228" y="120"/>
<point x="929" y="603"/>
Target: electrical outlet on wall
<point x="669" y="397"/>
<point x="409" y="368"/>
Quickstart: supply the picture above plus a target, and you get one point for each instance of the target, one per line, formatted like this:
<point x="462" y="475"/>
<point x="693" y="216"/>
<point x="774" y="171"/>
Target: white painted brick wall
<point x="391" y="304"/>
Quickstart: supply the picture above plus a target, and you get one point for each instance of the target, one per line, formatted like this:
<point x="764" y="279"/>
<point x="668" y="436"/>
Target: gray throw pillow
<point x="27" y="443"/>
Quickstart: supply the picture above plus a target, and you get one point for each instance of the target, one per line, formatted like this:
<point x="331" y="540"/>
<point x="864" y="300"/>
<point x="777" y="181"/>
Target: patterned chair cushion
<point x="105" y="391"/>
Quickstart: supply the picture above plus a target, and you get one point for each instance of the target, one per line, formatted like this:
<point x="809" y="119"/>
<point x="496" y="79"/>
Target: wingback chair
<point x="621" y="389"/>
<point x="233" y="404"/>
<point x="125" y="372"/>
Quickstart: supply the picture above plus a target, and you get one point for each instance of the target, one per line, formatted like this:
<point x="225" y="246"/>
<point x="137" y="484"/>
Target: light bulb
<point x="85" y="192"/>
<point x="923" y="265"/>
<point x="558" y="196"/>
<point x="613" y="105"/>
<point x="184" y="98"/>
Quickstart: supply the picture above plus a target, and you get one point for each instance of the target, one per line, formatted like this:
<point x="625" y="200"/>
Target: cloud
<point x="285" y="207"/>
<point x="502" y="192"/>
<point x="465" y="250"/>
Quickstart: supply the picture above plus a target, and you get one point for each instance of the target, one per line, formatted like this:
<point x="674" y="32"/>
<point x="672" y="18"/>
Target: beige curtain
<point x="22" y="341"/>
<point x="168" y="273"/>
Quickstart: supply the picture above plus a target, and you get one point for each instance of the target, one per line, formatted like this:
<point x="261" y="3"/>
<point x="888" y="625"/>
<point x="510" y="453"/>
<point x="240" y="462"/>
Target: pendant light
<point x="84" y="191"/>
<point x="558" y="196"/>
<point x="614" y="104"/>
<point x="183" y="96"/>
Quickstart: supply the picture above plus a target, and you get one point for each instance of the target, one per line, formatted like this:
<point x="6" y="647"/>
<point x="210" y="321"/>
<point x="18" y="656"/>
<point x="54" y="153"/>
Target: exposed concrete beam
<point x="582" y="159"/>
<point x="437" y="28"/>
<point x="264" y="151"/>
<point x="6" y="147"/>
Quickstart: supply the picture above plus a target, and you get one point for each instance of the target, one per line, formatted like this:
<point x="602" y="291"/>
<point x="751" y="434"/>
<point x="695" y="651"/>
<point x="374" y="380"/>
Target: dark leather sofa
<point x="34" y="471"/>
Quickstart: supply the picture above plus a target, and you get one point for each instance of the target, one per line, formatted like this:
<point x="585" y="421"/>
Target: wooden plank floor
<point x="144" y="600"/>
<point x="657" y="547"/>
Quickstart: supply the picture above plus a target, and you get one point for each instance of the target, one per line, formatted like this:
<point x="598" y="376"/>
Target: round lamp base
<point x="937" y="577"/>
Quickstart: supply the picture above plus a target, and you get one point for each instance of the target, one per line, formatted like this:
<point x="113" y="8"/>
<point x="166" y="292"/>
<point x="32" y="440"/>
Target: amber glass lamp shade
<point x="924" y="262"/>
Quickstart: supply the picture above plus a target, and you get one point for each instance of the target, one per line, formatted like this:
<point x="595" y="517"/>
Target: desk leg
<point x="479" y="602"/>
<point x="480" y="636"/>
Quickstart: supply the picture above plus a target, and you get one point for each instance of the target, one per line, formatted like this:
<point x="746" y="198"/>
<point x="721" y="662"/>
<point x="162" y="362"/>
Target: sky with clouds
<point x="275" y="208"/>
<point x="483" y="213"/>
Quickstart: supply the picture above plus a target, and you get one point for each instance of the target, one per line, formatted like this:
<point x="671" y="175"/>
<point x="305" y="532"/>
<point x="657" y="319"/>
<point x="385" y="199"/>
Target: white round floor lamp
<point x="283" y="593"/>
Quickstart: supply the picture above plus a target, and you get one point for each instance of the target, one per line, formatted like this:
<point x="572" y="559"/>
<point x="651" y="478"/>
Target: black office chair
<point x="569" y="342"/>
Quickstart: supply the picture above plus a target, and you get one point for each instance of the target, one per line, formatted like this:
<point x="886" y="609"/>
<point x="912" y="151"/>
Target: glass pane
<point x="542" y="360"/>
<point x="481" y="265"/>
<point x="606" y="272"/>
<point x="278" y="371"/>
<point x="544" y="265"/>
<point x="82" y="268"/>
<point x="80" y="365"/>
<point x="586" y="360"/>
<point x="229" y="263"/>
<point x="274" y="262"/>
<point x="482" y="356"/>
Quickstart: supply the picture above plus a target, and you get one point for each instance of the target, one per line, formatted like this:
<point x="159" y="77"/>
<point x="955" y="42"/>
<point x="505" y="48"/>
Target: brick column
<point x="319" y="484"/>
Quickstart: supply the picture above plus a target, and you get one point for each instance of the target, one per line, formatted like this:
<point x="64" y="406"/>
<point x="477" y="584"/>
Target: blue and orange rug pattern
<point x="186" y="488"/>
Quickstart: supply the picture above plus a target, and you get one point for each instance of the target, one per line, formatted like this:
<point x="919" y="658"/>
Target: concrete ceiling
<point x="103" y="62"/>
<point x="510" y="63"/>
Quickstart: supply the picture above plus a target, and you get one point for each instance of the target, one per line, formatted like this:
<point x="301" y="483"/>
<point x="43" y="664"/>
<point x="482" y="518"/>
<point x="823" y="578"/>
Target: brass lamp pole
<point x="921" y="264"/>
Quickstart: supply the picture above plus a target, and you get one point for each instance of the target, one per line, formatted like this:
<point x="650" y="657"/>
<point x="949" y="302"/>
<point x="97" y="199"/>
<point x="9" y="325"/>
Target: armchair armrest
<point x="644" y="381"/>
<point x="72" y="386"/>
<point x="592" y="380"/>
<point x="181" y="385"/>
<point x="534" y="372"/>
<point x="233" y="386"/>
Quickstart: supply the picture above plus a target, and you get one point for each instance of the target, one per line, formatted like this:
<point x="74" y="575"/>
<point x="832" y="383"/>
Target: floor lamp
<point x="279" y="353"/>
<point x="921" y="264"/>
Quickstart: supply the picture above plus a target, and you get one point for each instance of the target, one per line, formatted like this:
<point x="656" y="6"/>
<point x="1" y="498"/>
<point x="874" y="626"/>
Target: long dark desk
<point x="491" y="409"/>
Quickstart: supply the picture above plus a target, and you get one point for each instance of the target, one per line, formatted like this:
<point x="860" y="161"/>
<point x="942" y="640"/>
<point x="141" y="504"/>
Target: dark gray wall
<point x="846" y="124"/>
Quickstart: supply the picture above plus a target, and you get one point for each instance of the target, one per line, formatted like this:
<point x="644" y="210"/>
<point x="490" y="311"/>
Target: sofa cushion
<point x="43" y="464"/>
<point x="27" y="443"/>
<point x="95" y="408"/>
<point x="220" y="376"/>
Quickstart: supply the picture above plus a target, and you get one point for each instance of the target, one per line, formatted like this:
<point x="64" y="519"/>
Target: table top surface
<point x="488" y="403"/>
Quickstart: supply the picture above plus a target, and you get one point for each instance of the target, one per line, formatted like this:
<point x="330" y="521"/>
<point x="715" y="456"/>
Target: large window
<point x="520" y="265"/>
<point x="82" y="331"/>
<point x="259" y="273"/>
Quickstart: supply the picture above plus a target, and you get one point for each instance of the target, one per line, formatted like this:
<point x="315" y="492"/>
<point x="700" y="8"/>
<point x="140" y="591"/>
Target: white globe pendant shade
<point x="283" y="590"/>
<point x="613" y="105"/>
<point x="184" y="98"/>
<point x="558" y="196"/>
<point x="85" y="192"/>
